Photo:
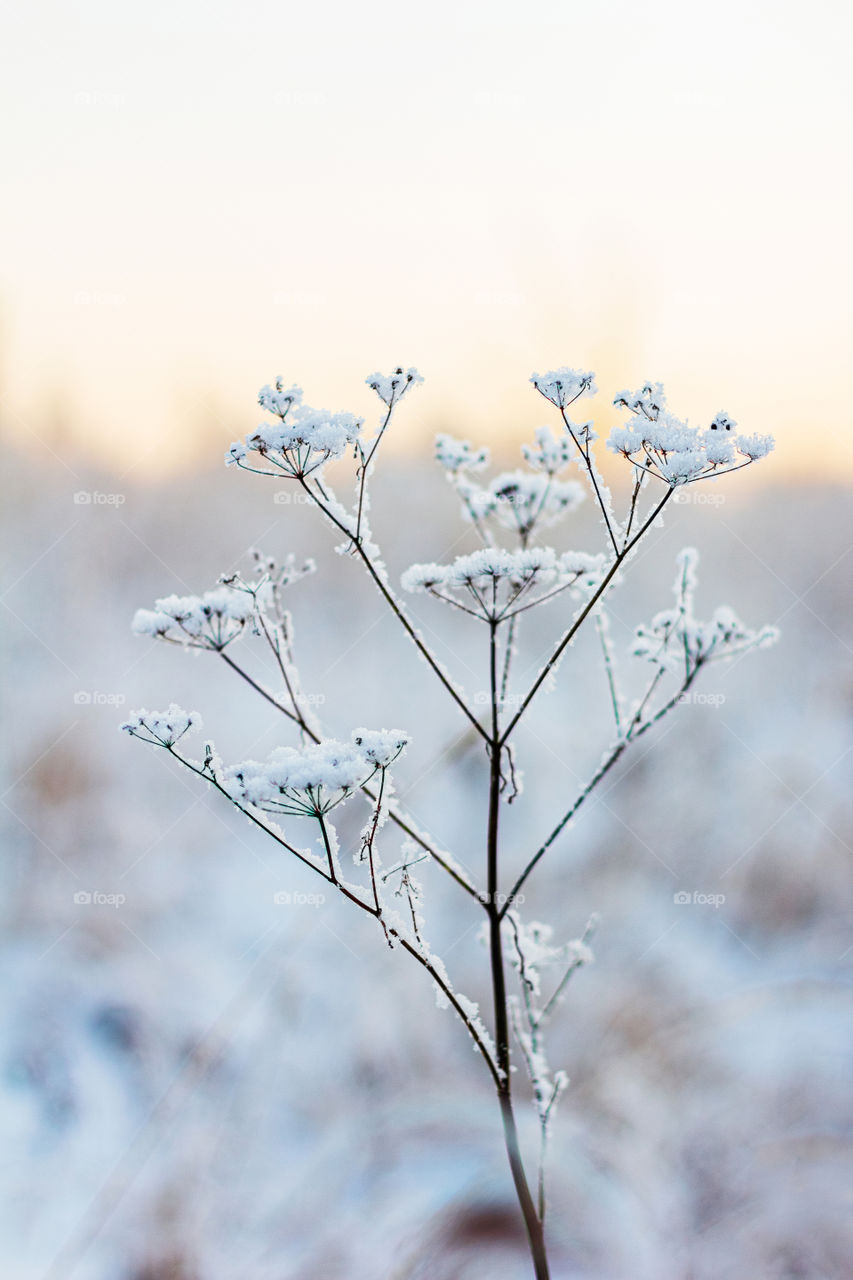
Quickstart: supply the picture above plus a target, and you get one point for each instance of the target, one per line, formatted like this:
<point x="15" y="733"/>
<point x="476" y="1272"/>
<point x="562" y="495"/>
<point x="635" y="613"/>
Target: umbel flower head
<point x="314" y="779"/>
<point x="675" y="638"/>
<point x="161" y="728"/>
<point x="299" y="441"/>
<point x="493" y="583"/>
<point x="208" y="621"/>
<point x="520" y="500"/>
<point x="563" y="386"/>
<point x="391" y="387"/>
<point x="657" y="443"/>
<point x="457" y="456"/>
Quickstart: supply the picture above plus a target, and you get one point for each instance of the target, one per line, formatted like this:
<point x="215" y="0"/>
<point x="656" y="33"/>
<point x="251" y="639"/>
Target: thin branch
<point x="507" y="662"/>
<point x="448" y="992"/>
<point x="394" y="814"/>
<point x="396" y="608"/>
<point x="407" y="946"/>
<point x="607" y="651"/>
<point x="584" y="614"/>
<point x="604" y="768"/>
<point x="365" y="463"/>
<point x="592" y="472"/>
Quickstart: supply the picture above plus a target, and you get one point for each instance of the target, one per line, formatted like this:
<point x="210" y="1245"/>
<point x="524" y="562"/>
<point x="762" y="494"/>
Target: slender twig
<point x="507" y="662"/>
<point x="592" y="472"/>
<point x="423" y="959"/>
<point x="532" y="1222"/>
<point x="394" y="814"/>
<point x="365" y="463"/>
<point x="584" y="614"/>
<point x="607" y="651"/>
<point x="603" y="769"/>
<point x="395" y="607"/>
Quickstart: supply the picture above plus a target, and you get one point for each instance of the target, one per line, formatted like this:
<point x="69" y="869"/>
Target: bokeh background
<point x="202" y="1083"/>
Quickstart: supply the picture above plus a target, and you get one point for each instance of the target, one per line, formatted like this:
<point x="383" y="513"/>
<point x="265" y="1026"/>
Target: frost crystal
<point x="162" y="728"/>
<point x="459" y="455"/>
<point x="562" y="386"/>
<point x="658" y="443"/>
<point x="674" y="638"/>
<point x="392" y="387"/>
<point x="380" y="747"/>
<point x="494" y="580"/>
<point x="316" y="778"/>
<point x="208" y="621"/>
<point x="301" y="439"/>
<point x="522" y="499"/>
<point x="550" y="453"/>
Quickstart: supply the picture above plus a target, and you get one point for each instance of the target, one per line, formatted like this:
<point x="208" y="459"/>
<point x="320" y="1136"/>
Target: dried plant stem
<point x="394" y="605"/>
<point x="394" y="813"/>
<point x="532" y="1221"/>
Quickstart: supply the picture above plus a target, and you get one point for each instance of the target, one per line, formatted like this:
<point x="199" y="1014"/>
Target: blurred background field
<point x="202" y="1083"/>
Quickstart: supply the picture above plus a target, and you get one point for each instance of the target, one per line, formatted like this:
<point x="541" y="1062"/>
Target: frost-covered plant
<point x="312" y="777"/>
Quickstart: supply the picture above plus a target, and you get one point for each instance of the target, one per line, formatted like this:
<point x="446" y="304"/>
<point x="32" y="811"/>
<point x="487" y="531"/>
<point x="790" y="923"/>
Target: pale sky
<point x="201" y="196"/>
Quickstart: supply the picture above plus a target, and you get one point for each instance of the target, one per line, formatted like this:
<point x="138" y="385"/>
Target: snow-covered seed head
<point x="380" y="747"/>
<point x="562" y="386"/>
<point x="391" y="387"/>
<point x="300" y="440"/>
<point x="490" y="581"/>
<point x="659" y="444"/>
<point x="208" y="621"/>
<point x="161" y="728"/>
<point x="549" y="453"/>
<point x="674" y="637"/>
<point x="457" y="456"/>
<point x="311" y="780"/>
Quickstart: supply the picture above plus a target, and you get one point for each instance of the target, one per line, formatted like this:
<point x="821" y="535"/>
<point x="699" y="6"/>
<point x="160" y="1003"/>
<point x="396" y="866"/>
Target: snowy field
<point x="209" y="1074"/>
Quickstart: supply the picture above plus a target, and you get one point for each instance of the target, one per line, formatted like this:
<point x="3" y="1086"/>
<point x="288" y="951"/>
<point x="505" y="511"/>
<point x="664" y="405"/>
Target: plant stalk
<point x="532" y="1222"/>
